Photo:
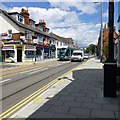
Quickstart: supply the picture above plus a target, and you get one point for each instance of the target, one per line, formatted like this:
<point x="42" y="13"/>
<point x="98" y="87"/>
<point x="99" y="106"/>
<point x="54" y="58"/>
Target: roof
<point x="32" y="20"/>
<point x="51" y="35"/>
<point x="68" y="40"/>
<point x="23" y="25"/>
<point x="12" y="13"/>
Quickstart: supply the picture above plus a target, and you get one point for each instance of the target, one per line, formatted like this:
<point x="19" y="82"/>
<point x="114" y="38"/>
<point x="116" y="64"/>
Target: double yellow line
<point x="11" y="110"/>
<point x="17" y="106"/>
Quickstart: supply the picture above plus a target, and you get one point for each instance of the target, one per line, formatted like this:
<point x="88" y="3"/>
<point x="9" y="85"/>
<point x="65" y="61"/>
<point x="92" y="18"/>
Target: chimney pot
<point x="25" y="14"/>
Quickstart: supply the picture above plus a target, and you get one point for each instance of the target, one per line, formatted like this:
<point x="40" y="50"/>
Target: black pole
<point x="110" y="66"/>
<point x="110" y="33"/>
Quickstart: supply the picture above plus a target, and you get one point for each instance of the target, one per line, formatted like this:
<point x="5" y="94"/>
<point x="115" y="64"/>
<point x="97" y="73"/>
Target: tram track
<point x="18" y="69"/>
<point x="48" y="78"/>
<point x="32" y="75"/>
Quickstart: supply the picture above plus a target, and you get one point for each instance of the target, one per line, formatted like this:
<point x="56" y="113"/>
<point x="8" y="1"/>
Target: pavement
<point x="6" y="65"/>
<point x="77" y="94"/>
<point x="27" y="62"/>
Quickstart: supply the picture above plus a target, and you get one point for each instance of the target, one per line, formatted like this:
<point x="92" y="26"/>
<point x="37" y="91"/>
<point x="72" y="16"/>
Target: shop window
<point x="28" y="35"/>
<point x="29" y="54"/>
<point x="57" y="43"/>
<point x="10" y="53"/>
<point x="60" y="44"/>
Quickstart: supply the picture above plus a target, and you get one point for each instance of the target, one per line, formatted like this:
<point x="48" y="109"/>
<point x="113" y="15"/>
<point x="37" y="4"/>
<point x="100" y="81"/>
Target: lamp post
<point x="101" y="40"/>
<point x="110" y="66"/>
<point x="101" y="31"/>
<point x="34" y="54"/>
<point x="118" y="64"/>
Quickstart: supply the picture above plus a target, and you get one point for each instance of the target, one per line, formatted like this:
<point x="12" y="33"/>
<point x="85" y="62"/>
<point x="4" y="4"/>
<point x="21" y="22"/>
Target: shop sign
<point x="8" y="48"/>
<point x="28" y="47"/>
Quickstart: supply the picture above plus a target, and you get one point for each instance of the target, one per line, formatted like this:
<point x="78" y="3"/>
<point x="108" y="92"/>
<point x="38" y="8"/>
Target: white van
<point x="77" y="55"/>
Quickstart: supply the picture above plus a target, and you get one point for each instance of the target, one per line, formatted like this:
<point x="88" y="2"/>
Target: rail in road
<point x="17" y="70"/>
<point x="20" y="89"/>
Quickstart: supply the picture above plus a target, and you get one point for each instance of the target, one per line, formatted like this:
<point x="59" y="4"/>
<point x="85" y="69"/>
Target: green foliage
<point x="105" y="51"/>
<point x="91" y="49"/>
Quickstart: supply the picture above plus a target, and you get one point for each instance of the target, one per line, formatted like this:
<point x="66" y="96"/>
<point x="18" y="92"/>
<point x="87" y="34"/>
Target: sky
<point x="78" y="20"/>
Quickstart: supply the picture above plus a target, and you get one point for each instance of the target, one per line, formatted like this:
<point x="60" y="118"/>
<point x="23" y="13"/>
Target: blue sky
<point x="81" y="21"/>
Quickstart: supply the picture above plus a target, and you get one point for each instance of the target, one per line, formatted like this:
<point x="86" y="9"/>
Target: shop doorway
<point x="19" y="54"/>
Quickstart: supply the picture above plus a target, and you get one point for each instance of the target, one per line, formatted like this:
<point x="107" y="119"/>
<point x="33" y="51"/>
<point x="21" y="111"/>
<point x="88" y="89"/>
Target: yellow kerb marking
<point x="37" y="99"/>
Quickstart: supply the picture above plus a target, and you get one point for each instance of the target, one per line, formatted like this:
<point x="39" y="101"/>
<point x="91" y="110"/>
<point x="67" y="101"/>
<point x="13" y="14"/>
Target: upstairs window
<point x="20" y="19"/>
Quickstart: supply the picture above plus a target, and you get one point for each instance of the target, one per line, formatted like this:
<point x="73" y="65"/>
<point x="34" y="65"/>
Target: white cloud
<point x="84" y="34"/>
<point x="83" y="7"/>
<point x="65" y="23"/>
<point x="105" y="15"/>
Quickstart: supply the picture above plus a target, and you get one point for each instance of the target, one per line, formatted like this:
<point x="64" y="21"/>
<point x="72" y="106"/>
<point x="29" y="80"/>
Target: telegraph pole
<point x="118" y="64"/>
<point x="101" y="40"/>
<point x="110" y="66"/>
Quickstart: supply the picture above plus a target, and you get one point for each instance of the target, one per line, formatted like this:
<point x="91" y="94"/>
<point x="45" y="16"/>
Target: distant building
<point x="61" y="41"/>
<point x="105" y="41"/>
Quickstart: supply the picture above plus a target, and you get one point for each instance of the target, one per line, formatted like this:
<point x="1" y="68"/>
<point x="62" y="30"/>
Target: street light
<point x="118" y="65"/>
<point x="34" y="54"/>
<point x="110" y="66"/>
<point x="119" y="42"/>
<point x="101" y="31"/>
<point x="101" y="41"/>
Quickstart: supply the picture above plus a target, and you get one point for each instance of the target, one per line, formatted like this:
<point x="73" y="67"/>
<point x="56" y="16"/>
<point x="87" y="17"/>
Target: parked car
<point x="86" y="56"/>
<point x="77" y="55"/>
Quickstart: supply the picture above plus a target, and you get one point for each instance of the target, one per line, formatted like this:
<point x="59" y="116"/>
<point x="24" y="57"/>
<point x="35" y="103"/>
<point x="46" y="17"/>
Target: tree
<point x="91" y="49"/>
<point x="105" y="52"/>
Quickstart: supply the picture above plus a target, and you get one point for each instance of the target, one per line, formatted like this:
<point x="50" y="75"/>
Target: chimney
<point x="114" y="28"/>
<point x="43" y="24"/>
<point x="105" y="26"/>
<point x="26" y="15"/>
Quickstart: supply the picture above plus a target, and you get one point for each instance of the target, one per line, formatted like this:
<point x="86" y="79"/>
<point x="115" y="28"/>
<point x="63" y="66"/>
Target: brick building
<point x="105" y="41"/>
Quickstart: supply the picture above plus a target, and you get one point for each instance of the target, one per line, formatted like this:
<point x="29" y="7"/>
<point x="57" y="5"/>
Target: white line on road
<point x="38" y="70"/>
<point x="44" y="69"/>
<point x="5" y="80"/>
<point x="31" y="70"/>
<point x="56" y="65"/>
<point x="50" y="65"/>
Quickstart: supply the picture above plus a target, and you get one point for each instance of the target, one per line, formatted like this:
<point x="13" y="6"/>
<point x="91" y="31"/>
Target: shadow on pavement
<point x="82" y="98"/>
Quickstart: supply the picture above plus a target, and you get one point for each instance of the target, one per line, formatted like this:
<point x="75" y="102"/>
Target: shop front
<point x="43" y="52"/>
<point x="39" y="52"/>
<point x="29" y="53"/>
<point x="18" y="52"/>
<point x="8" y="53"/>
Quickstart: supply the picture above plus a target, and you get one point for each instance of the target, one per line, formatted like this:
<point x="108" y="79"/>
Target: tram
<point x="65" y="53"/>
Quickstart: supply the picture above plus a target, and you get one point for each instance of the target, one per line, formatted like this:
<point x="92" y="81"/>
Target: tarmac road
<point x="17" y="87"/>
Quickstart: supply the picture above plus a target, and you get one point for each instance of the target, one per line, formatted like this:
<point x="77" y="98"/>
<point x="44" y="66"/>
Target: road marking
<point x="44" y="69"/>
<point x="38" y="70"/>
<point x="31" y="70"/>
<point x="37" y="99"/>
<point x="28" y="99"/>
<point x="5" y="80"/>
<point x="56" y="65"/>
<point x="50" y="65"/>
